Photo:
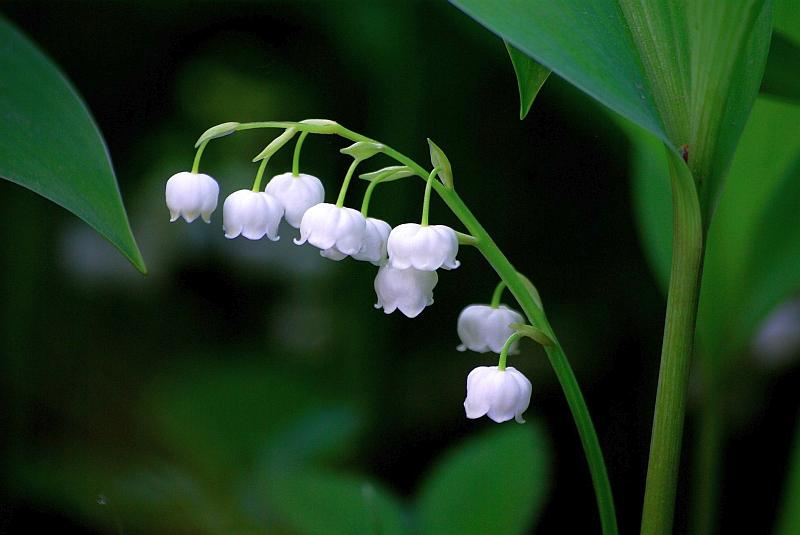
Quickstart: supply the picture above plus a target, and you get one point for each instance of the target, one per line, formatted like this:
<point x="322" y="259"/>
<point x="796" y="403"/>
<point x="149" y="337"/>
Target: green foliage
<point x="319" y="503"/>
<point x="493" y="483"/>
<point x="750" y="261"/>
<point x="782" y="75"/>
<point x="586" y="43"/>
<point x="685" y="72"/>
<point x="50" y="144"/>
<point x="531" y="76"/>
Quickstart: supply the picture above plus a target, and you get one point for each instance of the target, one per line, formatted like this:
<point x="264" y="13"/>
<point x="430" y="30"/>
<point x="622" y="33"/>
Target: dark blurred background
<point x="108" y="375"/>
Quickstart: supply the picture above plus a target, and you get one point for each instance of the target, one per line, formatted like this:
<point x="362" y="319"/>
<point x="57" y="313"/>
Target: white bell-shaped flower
<point x="409" y="290"/>
<point x="374" y="247"/>
<point x="191" y="195"/>
<point x="297" y="194"/>
<point x="252" y="214"/>
<point x="425" y="247"/>
<point x="338" y="231"/>
<point x="484" y="328"/>
<point x="499" y="394"/>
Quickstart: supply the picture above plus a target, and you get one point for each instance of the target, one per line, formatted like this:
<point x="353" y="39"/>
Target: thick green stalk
<point x="676" y="351"/>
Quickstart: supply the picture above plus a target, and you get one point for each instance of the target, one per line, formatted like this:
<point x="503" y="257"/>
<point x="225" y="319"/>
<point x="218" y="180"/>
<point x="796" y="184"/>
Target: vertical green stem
<point x="676" y="351"/>
<point x="296" y="158"/>
<point x="346" y="183"/>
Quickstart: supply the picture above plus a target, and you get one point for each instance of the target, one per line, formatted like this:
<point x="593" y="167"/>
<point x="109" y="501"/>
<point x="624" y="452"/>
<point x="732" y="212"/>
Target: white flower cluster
<point x="407" y="256"/>
<point x="498" y="392"/>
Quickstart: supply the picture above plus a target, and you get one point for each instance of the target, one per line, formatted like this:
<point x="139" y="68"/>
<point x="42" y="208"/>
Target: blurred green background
<point x="251" y="386"/>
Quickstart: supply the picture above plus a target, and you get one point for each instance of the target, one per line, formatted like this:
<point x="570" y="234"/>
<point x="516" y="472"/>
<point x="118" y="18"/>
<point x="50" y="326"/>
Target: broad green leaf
<point x="496" y="482"/>
<point x="782" y="74"/>
<point x="530" y="78"/>
<point x="586" y="43"/>
<point x="727" y="74"/>
<point x="687" y="72"/>
<point x="50" y="144"/>
<point x="319" y="503"/>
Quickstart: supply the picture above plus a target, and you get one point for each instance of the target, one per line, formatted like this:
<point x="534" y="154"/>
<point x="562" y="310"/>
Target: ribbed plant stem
<point x="676" y="351"/>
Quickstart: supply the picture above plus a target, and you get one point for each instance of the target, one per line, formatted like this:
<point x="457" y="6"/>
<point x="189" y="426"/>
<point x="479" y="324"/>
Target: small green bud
<point x="361" y="150"/>
<point x="387" y="174"/>
<point x="440" y="162"/>
<point x="216" y="131"/>
<point x="327" y="126"/>
<point x="276" y="144"/>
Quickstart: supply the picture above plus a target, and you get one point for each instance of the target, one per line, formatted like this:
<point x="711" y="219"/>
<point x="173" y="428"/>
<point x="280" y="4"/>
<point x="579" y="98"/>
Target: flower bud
<point x="297" y="194"/>
<point x="409" y="290"/>
<point x="374" y="247"/>
<point x="338" y="231"/>
<point x="483" y="328"/>
<point x="499" y="394"/>
<point x="191" y="195"/>
<point x="252" y="214"/>
<point x="423" y="247"/>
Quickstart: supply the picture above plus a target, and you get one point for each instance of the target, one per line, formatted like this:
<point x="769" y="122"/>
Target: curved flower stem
<point x="346" y="183"/>
<point x="498" y="293"/>
<point x="259" y="175"/>
<point x="197" y="156"/>
<point x="501" y="363"/>
<point x="426" y="201"/>
<point x="526" y="299"/>
<point x="368" y="197"/>
<point x="296" y="158"/>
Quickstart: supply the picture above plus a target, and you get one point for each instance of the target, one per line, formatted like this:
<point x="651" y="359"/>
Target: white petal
<point x="297" y="194"/>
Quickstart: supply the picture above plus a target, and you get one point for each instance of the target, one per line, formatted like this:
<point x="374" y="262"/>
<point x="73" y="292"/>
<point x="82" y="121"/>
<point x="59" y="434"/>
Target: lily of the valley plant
<point x="408" y="258"/>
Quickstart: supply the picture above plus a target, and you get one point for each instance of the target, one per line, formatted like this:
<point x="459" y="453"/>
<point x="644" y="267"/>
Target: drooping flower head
<point x="374" y="247"/>
<point x="190" y="195"/>
<point x="483" y="328"/>
<point x="499" y="394"/>
<point x="297" y="194"/>
<point x="338" y="231"/>
<point x="408" y="290"/>
<point x="252" y="214"/>
<point x="423" y="247"/>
